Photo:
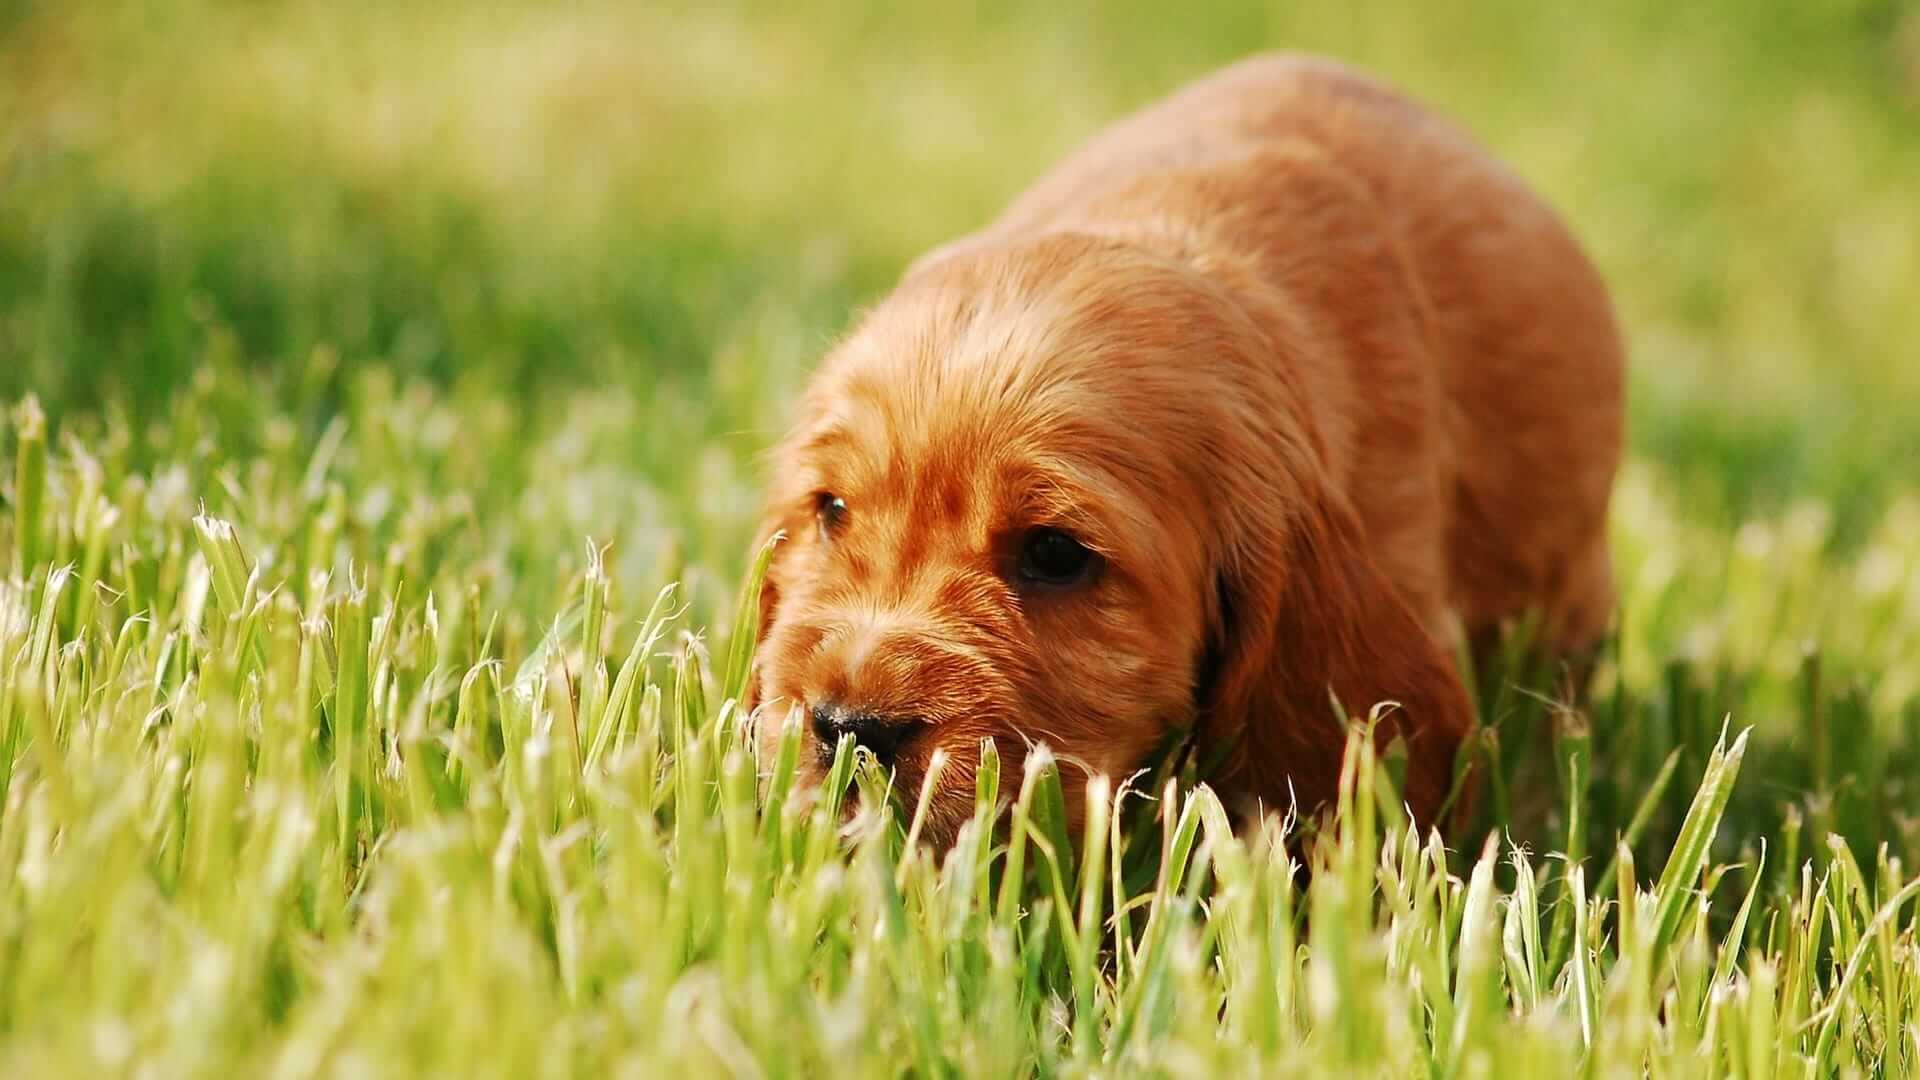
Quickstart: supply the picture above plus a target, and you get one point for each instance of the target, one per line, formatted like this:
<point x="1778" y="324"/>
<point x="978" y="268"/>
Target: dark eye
<point x="1051" y="557"/>
<point x="830" y="510"/>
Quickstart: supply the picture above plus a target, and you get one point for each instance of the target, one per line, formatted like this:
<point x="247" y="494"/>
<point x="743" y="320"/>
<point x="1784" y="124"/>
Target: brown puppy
<point x="1270" y="391"/>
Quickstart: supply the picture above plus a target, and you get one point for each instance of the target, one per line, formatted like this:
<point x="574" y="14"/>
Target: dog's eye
<point x="831" y="511"/>
<point x="1051" y="557"/>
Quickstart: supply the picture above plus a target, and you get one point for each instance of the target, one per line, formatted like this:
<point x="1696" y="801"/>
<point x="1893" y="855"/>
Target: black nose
<point x="879" y="733"/>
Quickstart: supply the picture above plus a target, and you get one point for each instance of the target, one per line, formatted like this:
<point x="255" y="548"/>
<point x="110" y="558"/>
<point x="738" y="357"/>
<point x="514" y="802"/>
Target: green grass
<point x="372" y="372"/>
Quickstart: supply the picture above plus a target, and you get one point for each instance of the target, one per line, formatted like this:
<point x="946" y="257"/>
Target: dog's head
<point x="1065" y="492"/>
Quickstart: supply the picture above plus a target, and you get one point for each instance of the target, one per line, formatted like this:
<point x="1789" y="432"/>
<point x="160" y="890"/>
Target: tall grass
<point x="271" y="803"/>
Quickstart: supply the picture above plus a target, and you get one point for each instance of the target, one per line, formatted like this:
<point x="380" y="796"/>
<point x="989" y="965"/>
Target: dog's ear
<point x="771" y="526"/>
<point x="1304" y="617"/>
<point x="784" y="495"/>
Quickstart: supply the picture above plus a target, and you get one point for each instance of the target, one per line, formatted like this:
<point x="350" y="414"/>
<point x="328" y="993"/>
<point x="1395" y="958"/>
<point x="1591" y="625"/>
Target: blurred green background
<point x="683" y="202"/>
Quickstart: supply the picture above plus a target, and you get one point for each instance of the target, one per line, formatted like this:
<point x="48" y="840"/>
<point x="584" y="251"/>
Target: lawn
<point x="383" y="389"/>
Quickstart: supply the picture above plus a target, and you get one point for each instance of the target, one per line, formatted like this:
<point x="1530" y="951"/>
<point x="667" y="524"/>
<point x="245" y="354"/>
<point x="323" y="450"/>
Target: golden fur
<point x="1323" y="386"/>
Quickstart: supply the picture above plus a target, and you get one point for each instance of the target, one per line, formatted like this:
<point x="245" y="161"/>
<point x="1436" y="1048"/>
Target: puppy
<point x="1262" y="400"/>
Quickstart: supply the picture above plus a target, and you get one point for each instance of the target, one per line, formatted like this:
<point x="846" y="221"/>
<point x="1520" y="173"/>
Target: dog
<point x="1270" y="398"/>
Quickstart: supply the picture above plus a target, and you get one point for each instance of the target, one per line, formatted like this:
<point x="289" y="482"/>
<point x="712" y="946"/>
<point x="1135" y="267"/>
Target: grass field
<point x="371" y="372"/>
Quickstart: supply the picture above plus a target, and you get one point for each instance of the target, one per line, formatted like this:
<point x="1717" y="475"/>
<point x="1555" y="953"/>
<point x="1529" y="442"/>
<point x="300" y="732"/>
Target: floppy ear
<point x="1307" y="613"/>
<point x="784" y="492"/>
<point x="770" y="525"/>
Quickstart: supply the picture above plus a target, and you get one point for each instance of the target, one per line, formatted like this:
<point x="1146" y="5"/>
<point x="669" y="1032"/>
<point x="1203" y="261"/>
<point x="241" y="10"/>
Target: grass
<point x="384" y="393"/>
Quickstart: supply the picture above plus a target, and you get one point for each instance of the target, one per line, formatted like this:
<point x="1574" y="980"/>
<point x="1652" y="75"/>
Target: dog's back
<point x="1474" y="390"/>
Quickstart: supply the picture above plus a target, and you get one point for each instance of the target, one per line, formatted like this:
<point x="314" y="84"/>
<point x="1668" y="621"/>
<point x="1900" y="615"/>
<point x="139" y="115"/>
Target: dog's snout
<point x="879" y="733"/>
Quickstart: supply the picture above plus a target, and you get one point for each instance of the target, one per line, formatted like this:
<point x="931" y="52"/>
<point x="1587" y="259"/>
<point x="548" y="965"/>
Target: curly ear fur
<point x="769" y="605"/>
<point x="1312" y="616"/>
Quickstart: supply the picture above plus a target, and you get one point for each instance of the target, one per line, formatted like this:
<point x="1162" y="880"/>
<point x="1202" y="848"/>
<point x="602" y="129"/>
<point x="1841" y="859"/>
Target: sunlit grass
<point x="284" y="797"/>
